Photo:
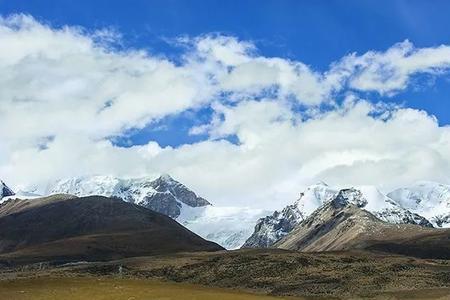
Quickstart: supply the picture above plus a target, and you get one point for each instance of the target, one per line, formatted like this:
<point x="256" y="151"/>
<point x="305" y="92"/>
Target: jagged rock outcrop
<point x="5" y="191"/>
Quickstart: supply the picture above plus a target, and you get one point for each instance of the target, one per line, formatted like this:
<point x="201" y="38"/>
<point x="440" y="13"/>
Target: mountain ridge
<point x="272" y="228"/>
<point x="340" y="225"/>
<point x="163" y="194"/>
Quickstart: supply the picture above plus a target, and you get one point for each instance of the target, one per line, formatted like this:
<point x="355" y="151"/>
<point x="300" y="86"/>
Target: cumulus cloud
<point x="68" y="82"/>
<point x="64" y="92"/>
<point x="390" y="71"/>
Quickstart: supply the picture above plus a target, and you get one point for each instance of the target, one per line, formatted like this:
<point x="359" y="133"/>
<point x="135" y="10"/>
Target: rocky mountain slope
<point x="67" y="228"/>
<point x="341" y="225"/>
<point x="429" y="199"/>
<point x="5" y="191"/>
<point x="272" y="228"/>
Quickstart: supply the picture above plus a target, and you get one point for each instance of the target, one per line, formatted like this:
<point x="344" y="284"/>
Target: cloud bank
<point x="65" y="92"/>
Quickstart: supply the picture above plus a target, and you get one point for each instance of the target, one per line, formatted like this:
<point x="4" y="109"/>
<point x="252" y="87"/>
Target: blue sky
<point x="254" y="98"/>
<point x="315" y="32"/>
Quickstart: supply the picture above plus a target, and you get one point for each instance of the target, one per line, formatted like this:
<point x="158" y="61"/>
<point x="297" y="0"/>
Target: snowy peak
<point x="5" y="191"/>
<point x="163" y="194"/>
<point x="346" y="197"/>
<point x="166" y="184"/>
<point x="332" y="226"/>
<point x="429" y="199"/>
<point x="313" y="197"/>
<point x="383" y="207"/>
<point x="167" y="178"/>
<point x="83" y="186"/>
<point x="423" y="194"/>
<point x="272" y="228"/>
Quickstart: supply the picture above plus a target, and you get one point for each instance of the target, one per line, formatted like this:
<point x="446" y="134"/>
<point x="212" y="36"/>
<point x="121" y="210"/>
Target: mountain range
<point x="342" y="225"/>
<point x="227" y="226"/>
<point x="424" y="203"/>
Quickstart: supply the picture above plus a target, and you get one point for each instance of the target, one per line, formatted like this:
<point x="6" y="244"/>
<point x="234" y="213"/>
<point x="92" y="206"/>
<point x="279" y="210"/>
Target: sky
<point x="246" y="102"/>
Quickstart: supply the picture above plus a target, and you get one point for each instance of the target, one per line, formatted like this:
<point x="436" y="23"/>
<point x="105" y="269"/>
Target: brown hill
<point x="67" y="228"/>
<point x="339" y="225"/>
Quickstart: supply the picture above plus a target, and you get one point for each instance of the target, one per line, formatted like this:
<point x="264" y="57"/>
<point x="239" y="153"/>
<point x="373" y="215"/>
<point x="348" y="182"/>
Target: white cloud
<point x="66" y="82"/>
<point x="225" y="50"/>
<point x="390" y="71"/>
<point x="64" y="92"/>
<point x="291" y="78"/>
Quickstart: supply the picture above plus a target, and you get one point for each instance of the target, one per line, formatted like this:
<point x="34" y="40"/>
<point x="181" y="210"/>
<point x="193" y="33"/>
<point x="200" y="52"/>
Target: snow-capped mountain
<point x="386" y="209"/>
<point x="272" y="228"/>
<point x="424" y="203"/>
<point x="342" y="225"/>
<point x="429" y="199"/>
<point x="5" y="191"/>
<point x="164" y="194"/>
<point x="227" y="226"/>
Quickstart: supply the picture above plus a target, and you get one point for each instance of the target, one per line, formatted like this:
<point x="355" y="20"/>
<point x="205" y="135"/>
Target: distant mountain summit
<point x="272" y="228"/>
<point x="429" y="199"/>
<point x="5" y="191"/>
<point x="163" y="194"/>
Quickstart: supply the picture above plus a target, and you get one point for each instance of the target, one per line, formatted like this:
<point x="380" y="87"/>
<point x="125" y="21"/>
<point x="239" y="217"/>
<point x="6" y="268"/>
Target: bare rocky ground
<point x="330" y="275"/>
